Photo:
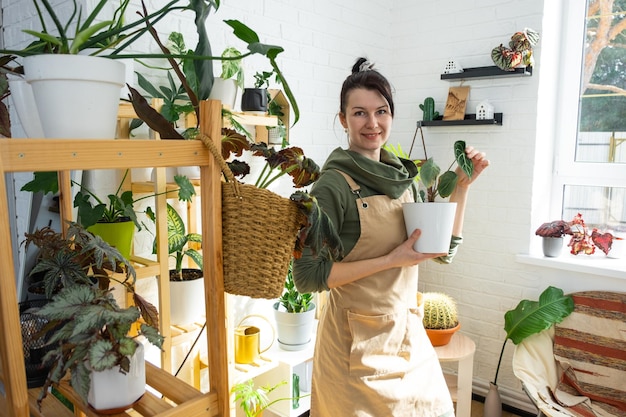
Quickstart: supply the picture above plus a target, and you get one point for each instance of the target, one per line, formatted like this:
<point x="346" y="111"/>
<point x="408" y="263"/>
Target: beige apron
<point x="372" y="355"/>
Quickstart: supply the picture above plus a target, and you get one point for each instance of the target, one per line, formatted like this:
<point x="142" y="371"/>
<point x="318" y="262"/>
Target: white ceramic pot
<point x="224" y="91"/>
<point x="77" y="96"/>
<point x="552" y="246"/>
<point x="186" y="301"/>
<point x="25" y="106"/>
<point x="294" y="330"/>
<point x="435" y="220"/>
<point x="112" y="390"/>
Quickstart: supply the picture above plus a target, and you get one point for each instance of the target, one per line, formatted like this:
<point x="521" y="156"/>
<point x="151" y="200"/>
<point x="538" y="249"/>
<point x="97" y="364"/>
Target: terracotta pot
<point x="441" y="337"/>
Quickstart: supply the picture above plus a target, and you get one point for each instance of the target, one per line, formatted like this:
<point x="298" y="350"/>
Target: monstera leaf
<point x="530" y="317"/>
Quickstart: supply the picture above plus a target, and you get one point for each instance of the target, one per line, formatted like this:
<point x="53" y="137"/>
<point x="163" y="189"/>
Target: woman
<point x="372" y="355"/>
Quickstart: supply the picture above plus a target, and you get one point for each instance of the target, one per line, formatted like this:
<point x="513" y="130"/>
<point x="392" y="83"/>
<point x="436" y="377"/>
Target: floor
<point x="477" y="411"/>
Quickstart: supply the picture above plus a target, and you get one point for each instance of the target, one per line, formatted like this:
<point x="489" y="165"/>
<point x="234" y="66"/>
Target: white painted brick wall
<point x="410" y="41"/>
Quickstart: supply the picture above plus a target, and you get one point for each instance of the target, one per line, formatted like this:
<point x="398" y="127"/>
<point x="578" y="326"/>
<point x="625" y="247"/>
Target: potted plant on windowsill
<point x="295" y="316"/>
<point x="582" y="240"/>
<point x="440" y="317"/>
<point x="552" y="234"/>
<point x="88" y="333"/>
<point x="436" y="218"/>
<point x="186" y="284"/>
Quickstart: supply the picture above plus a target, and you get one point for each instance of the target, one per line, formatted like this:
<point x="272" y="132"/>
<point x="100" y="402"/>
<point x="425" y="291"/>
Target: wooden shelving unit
<point x="487" y="72"/>
<point x="64" y="155"/>
<point x="470" y="119"/>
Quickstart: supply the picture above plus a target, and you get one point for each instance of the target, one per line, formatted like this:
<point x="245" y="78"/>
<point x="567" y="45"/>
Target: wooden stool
<point x="460" y="349"/>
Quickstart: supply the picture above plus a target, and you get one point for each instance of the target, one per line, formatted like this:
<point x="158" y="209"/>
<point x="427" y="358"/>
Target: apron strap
<point x="354" y="187"/>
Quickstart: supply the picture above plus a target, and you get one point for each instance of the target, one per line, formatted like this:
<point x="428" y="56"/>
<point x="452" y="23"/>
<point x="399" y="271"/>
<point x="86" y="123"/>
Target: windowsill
<point x="593" y="264"/>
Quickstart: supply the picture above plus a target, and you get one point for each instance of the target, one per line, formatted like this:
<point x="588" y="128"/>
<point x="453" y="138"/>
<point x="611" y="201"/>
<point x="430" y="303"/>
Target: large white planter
<point x="112" y="390"/>
<point x="77" y="96"/>
<point x="25" y="106"/>
<point x="435" y="220"/>
<point x="295" y="330"/>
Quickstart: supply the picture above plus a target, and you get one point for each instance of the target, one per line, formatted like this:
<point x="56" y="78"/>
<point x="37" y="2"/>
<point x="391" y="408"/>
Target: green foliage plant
<point x="113" y="35"/>
<point x="178" y="240"/>
<point x="291" y="299"/>
<point x="254" y="400"/>
<point x="231" y="66"/>
<point x="440" y="311"/>
<point x="530" y="317"/>
<point x="88" y="330"/>
<point x="120" y="206"/>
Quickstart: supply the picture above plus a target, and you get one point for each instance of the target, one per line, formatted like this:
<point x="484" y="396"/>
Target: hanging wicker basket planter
<point x="259" y="231"/>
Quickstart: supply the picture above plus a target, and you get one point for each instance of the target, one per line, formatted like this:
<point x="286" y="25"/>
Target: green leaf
<point x="81" y="380"/>
<point x="102" y="356"/>
<point x="464" y="162"/>
<point x="46" y="182"/>
<point x="429" y="171"/>
<point x="530" y="317"/>
<point x="186" y="190"/>
<point x="447" y="183"/>
<point x="152" y="334"/>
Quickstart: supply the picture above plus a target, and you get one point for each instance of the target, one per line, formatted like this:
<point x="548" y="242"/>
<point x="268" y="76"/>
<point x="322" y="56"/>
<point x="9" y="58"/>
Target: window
<point x="591" y="155"/>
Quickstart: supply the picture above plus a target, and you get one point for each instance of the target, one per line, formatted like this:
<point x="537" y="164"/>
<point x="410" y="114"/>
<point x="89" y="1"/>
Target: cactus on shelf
<point x="439" y="311"/>
<point x="429" y="109"/>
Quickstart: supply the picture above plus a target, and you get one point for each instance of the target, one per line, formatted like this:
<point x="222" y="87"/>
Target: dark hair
<point x="364" y="76"/>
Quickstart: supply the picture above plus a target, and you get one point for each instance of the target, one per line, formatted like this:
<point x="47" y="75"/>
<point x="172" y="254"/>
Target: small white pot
<point x="435" y="220"/>
<point x="186" y="301"/>
<point x="112" y="390"/>
<point x="295" y="330"/>
<point x="552" y="246"/>
<point x="224" y="91"/>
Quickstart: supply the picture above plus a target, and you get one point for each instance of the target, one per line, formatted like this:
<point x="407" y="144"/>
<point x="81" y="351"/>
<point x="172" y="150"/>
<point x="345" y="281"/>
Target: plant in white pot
<point x="77" y="95"/>
<point x="436" y="218"/>
<point x="186" y="284"/>
<point x="295" y="316"/>
<point x="89" y="335"/>
<point x="114" y="220"/>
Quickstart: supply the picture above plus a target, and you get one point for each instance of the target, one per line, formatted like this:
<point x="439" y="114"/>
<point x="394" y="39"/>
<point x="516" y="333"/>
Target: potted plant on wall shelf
<point x="231" y="79"/>
<point x="440" y="317"/>
<point x="90" y="336"/>
<point x="436" y="218"/>
<point x="255" y="99"/>
<point x="295" y="316"/>
<point x="186" y="284"/>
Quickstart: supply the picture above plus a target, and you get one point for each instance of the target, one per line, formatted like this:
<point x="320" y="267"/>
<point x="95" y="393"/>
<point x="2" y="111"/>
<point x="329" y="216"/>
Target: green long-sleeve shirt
<point x="391" y="176"/>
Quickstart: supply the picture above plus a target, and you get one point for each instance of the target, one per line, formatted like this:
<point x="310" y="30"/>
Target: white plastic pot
<point x="435" y="220"/>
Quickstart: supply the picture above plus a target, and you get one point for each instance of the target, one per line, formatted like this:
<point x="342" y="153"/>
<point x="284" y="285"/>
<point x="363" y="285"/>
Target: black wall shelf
<point x="470" y="119"/>
<point x="488" y="72"/>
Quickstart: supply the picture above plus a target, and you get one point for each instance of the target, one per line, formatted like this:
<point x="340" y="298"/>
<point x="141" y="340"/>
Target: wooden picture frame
<point x="456" y="103"/>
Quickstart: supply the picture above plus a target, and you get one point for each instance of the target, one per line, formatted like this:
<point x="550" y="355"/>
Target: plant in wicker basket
<point x="259" y="220"/>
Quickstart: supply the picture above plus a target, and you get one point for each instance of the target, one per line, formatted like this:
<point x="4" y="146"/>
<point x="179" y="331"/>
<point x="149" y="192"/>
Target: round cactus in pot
<point x="440" y="317"/>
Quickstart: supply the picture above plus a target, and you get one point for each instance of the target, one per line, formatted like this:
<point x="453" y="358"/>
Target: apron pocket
<point x="381" y="345"/>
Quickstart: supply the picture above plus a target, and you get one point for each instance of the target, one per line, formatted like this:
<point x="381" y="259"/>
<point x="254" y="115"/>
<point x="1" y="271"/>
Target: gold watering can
<point x="248" y="341"/>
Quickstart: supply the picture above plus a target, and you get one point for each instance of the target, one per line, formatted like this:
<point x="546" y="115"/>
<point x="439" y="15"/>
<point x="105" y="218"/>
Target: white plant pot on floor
<point x="435" y="220"/>
<point x="112" y="391"/>
<point x="77" y="96"/>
